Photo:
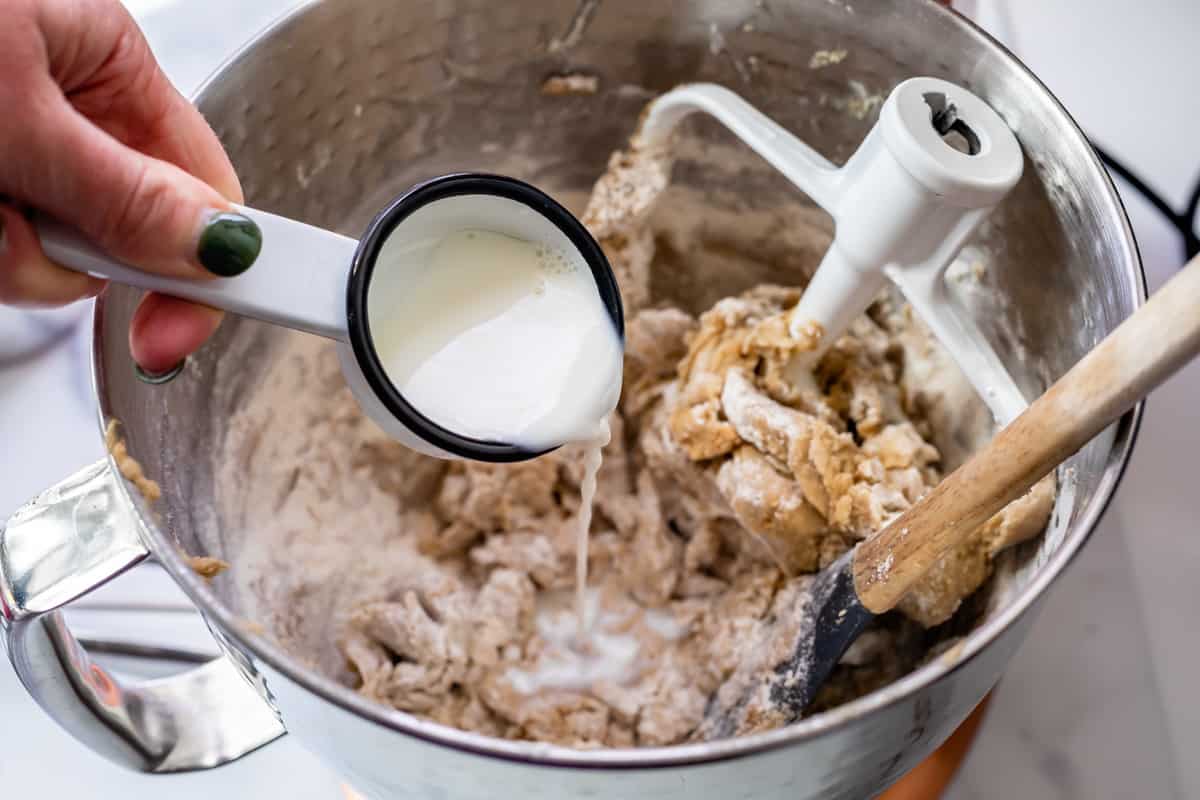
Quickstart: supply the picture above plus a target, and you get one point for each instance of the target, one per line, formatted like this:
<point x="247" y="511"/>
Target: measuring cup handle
<point x="71" y="539"/>
<point x="298" y="280"/>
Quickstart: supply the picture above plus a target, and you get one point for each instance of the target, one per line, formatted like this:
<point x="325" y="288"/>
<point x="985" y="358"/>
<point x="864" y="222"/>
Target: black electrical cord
<point x="1184" y="223"/>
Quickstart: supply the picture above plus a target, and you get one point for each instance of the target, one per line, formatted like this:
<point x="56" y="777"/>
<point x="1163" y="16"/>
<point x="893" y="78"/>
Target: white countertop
<point x="1097" y="704"/>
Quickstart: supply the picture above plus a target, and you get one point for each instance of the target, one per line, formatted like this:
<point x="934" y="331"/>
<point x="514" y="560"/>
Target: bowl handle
<point x="69" y="540"/>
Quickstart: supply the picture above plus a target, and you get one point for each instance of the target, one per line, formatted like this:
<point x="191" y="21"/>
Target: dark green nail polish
<point x="156" y="378"/>
<point x="229" y="244"/>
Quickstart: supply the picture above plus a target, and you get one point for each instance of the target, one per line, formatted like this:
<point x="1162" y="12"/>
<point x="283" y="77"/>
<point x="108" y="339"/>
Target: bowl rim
<point x="541" y="754"/>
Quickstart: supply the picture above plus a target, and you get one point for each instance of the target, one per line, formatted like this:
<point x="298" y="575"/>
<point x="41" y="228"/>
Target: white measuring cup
<point x="321" y="282"/>
<point x="903" y="206"/>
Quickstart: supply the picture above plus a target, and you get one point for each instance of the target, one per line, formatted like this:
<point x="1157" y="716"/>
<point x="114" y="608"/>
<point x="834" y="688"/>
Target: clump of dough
<point x="810" y="470"/>
<point x="207" y="567"/>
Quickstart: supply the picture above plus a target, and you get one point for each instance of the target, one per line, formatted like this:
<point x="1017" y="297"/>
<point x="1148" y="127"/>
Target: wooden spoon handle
<point x="1141" y="353"/>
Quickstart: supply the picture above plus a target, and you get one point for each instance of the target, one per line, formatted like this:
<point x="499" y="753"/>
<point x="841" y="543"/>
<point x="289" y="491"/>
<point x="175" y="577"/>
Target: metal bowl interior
<point x="341" y="105"/>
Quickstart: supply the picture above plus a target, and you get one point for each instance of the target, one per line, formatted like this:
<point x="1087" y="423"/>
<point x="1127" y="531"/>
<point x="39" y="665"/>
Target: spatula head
<point x="812" y="623"/>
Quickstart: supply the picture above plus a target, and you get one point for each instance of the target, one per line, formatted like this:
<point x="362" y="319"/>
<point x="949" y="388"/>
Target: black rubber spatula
<point x="779" y="679"/>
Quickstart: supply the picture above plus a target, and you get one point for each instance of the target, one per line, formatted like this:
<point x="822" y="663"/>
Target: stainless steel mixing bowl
<point x="345" y="102"/>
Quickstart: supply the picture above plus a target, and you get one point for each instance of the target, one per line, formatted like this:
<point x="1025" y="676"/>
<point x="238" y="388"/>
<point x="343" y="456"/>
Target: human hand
<point x="97" y="137"/>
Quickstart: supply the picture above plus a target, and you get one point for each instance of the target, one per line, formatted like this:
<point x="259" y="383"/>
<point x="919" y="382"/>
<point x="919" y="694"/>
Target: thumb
<point x="138" y="208"/>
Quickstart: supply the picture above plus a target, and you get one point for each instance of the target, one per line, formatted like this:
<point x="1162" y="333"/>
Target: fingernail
<point x="158" y="378"/>
<point x="229" y="244"/>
